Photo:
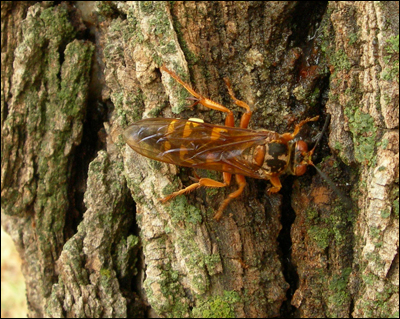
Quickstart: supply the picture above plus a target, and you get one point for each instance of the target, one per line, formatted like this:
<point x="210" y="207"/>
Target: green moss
<point x="182" y="100"/>
<point x="382" y="304"/>
<point x="364" y="135"/>
<point x="117" y="98"/>
<point x="218" y="306"/>
<point x="156" y="165"/>
<point x="57" y="25"/>
<point x="132" y="241"/>
<point x="338" y="292"/>
<point x="137" y="105"/>
<point x="194" y="260"/>
<point x="391" y="73"/>
<point x="341" y="61"/>
<point x="159" y="22"/>
<point x="75" y="79"/>
<point x="190" y="56"/>
<point x="157" y="111"/>
<point x="211" y="192"/>
<point x="106" y="273"/>
<point x="385" y="213"/>
<point x="147" y="6"/>
<point x="353" y="38"/>
<point x="374" y="232"/>
<point x="136" y="192"/>
<point x="369" y="279"/>
<point x="181" y="210"/>
<point x="320" y="235"/>
<point x="312" y="214"/>
<point x="393" y="44"/>
<point x="199" y="283"/>
<point x="338" y="146"/>
<point x="106" y="8"/>
<point x="129" y="105"/>
<point x="172" y="302"/>
<point x="384" y="143"/>
<point x="314" y="97"/>
<point x="52" y="84"/>
<point x="396" y="207"/>
<point x="211" y="262"/>
<point x="157" y="59"/>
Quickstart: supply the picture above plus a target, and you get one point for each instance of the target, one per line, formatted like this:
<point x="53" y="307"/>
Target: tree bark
<point x="83" y="208"/>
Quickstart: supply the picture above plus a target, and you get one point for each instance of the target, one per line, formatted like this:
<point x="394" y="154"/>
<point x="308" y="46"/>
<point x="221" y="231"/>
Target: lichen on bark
<point x="44" y="107"/>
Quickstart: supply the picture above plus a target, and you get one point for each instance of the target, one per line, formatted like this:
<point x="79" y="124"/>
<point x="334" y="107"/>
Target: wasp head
<point x="301" y="158"/>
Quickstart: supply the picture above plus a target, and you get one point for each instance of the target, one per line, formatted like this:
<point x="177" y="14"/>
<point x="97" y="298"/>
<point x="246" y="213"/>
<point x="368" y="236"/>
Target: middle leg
<point x="241" y="181"/>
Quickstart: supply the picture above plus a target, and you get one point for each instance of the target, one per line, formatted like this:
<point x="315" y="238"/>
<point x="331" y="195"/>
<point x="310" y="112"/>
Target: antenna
<point x="346" y="200"/>
<point x="328" y="118"/>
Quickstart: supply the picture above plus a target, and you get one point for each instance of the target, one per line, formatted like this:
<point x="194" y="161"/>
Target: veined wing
<point x="199" y="145"/>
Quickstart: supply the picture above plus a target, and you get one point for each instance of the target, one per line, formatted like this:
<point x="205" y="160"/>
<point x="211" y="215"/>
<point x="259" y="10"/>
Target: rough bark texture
<point x="304" y="252"/>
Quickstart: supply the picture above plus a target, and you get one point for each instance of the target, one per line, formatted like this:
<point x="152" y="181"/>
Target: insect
<point x="232" y="150"/>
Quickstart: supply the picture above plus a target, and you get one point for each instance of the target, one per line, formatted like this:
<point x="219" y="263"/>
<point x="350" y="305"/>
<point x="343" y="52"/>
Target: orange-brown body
<point x="240" y="151"/>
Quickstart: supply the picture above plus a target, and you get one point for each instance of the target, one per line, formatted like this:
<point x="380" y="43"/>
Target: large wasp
<point x="235" y="151"/>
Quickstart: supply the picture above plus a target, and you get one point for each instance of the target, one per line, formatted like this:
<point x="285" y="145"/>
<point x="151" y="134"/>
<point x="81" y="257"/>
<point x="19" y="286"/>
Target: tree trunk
<point x="83" y="207"/>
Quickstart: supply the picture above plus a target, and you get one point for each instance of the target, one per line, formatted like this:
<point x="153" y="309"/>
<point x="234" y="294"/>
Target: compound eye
<point x="301" y="146"/>
<point x="300" y="151"/>
<point x="300" y="169"/>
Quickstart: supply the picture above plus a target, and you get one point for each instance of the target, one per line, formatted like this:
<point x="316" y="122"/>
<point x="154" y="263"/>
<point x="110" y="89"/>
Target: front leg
<point x="276" y="184"/>
<point x="286" y="137"/>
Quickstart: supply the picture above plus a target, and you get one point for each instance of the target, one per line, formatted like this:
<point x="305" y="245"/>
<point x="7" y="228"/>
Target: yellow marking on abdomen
<point x="171" y="127"/>
<point x="216" y="133"/>
<point x="170" y="130"/>
<point x="167" y="146"/>
<point x="187" y="130"/>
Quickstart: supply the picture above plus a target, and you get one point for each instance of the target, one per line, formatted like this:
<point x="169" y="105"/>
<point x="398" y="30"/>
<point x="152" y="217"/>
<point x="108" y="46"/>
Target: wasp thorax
<point x="276" y="158"/>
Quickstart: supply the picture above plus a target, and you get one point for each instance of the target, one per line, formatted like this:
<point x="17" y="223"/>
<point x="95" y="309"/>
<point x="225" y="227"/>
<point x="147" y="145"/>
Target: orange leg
<point x="241" y="180"/>
<point x="229" y="121"/>
<point x="205" y="182"/>
<point x="244" y="121"/>
<point x="290" y="136"/>
<point x="276" y="184"/>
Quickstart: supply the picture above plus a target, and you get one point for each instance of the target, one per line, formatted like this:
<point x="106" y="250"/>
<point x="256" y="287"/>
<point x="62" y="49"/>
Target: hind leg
<point x="241" y="181"/>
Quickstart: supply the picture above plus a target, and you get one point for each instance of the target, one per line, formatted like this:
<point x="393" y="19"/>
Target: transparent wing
<point x="199" y="145"/>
